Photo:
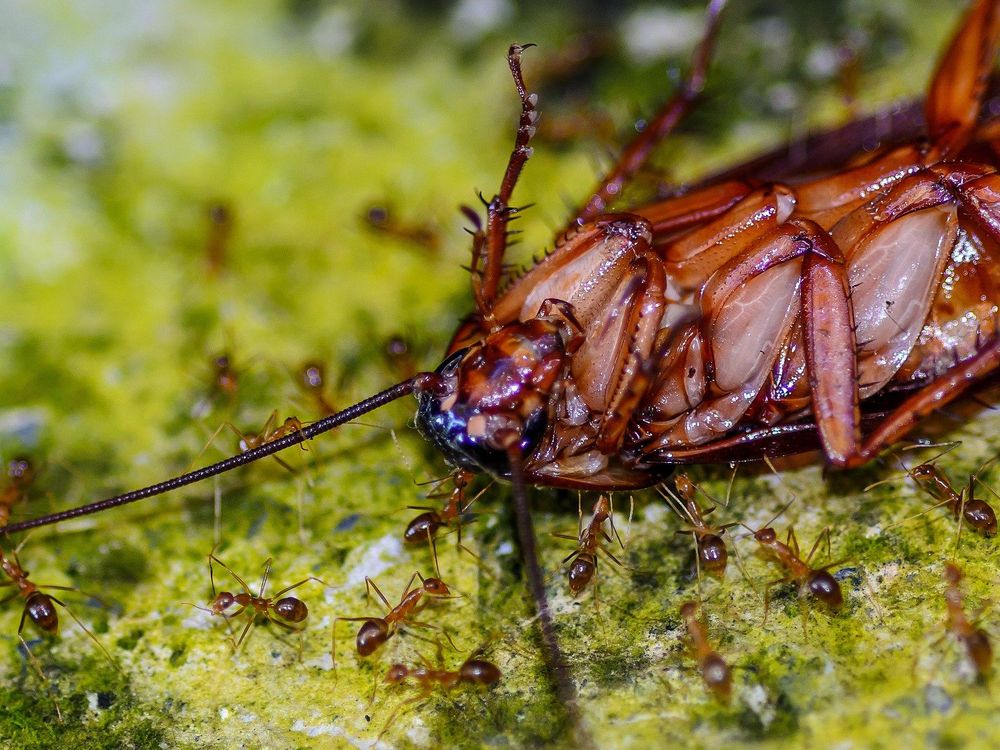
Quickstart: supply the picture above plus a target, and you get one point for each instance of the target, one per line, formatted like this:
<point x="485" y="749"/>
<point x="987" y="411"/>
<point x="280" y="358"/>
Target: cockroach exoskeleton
<point x="765" y="313"/>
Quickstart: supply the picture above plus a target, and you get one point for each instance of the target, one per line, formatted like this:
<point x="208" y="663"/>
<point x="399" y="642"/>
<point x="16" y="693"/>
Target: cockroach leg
<point x="660" y="125"/>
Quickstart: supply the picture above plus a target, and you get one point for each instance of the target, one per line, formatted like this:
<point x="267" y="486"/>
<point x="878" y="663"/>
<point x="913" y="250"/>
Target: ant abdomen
<point x="291" y="609"/>
<point x="371" y="635"/>
<point x="582" y="571"/>
<point x="980" y="651"/>
<point x="980" y="516"/>
<point x="480" y="672"/>
<point x="716" y="674"/>
<point x="824" y="587"/>
<point x="712" y="554"/>
<point x="423" y="527"/>
<point x="42" y="612"/>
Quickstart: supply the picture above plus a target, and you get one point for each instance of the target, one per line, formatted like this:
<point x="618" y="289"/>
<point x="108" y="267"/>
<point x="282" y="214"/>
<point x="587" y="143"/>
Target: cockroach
<point x="744" y="317"/>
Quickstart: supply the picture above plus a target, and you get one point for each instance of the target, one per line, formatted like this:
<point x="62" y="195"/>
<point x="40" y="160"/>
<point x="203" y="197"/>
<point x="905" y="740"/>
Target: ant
<point x="591" y="540"/>
<point x="400" y="357"/>
<point x="425" y="526"/>
<point x="709" y="546"/>
<point x="815" y="581"/>
<point x="714" y="670"/>
<point x="382" y="218"/>
<point x="963" y="505"/>
<point x="287" y="611"/>
<point x="225" y="378"/>
<point x="20" y="476"/>
<point x="220" y="228"/>
<point x="312" y="379"/>
<point x="375" y="631"/>
<point x="39" y="608"/>
<point x="975" y="640"/>
<point x="473" y="671"/>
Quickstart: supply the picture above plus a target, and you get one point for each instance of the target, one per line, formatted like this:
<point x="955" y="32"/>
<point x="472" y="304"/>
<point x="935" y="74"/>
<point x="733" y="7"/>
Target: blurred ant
<point x="288" y="612"/>
<point x="714" y="670"/>
<point x="39" y="608"/>
<point x="20" y="477"/>
<point x="226" y="379"/>
<point x="272" y="431"/>
<point x="976" y="642"/>
<point x="816" y="581"/>
<point x="220" y="228"/>
<point x="375" y="631"/>
<point x="312" y="379"/>
<point x="473" y="671"/>
<point x="710" y="549"/>
<point x="383" y="219"/>
<point x="591" y="540"/>
<point x="400" y="357"/>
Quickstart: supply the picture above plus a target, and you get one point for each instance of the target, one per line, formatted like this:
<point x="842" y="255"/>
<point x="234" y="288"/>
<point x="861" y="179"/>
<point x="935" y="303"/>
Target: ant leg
<point x="660" y="125"/>
<point x="432" y="626"/>
<point x="824" y="533"/>
<point x="300" y="583"/>
<point x="793" y="542"/>
<point x="88" y="631"/>
<point x="370" y="584"/>
<point x="399" y="711"/>
<point x="217" y="511"/>
<point x="251" y="620"/>
<point x="33" y="661"/>
<point x="264" y="577"/>
<point x="240" y="581"/>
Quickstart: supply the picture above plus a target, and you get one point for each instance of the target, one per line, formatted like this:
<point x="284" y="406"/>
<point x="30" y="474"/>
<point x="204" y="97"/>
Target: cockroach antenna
<point x="421" y="382"/>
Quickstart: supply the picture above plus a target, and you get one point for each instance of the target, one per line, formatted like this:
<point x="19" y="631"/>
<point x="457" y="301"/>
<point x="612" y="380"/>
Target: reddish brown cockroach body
<point x="737" y="320"/>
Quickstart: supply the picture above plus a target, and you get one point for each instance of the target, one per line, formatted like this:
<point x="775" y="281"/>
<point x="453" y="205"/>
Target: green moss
<point x="122" y="126"/>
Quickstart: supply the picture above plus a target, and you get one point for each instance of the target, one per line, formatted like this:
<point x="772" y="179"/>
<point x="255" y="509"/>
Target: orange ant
<point x="312" y="379"/>
<point x="591" y="540"/>
<point x="226" y="379"/>
<point x="39" y="608"/>
<point x="815" y="581"/>
<point x="383" y="219"/>
<point x="425" y="526"/>
<point x="963" y="505"/>
<point x="975" y="640"/>
<point x="473" y="671"/>
<point x="399" y="356"/>
<point x="272" y="431"/>
<point x="287" y="611"/>
<point x="20" y="475"/>
<point x="375" y="631"/>
<point x="709" y="546"/>
<point x="714" y="670"/>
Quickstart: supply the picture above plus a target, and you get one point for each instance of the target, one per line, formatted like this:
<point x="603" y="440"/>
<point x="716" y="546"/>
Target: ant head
<point x="581" y="572"/>
<point x="479" y="672"/>
<point x="717" y="676"/>
<point x="371" y="635"/>
<point x="765" y="535"/>
<point x="42" y="612"/>
<point x="603" y="506"/>
<point x="824" y="587"/>
<point x="712" y="554"/>
<point x="493" y="397"/>
<point x="223" y="601"/>
<point x="222" y="361"/>
<point x="684" y="486"/>
<point x="689" y="610"/>
<point x="980" y="516"/>
<point x="923" y="472"/>
<point x="396" y="674"/>
<point x="436" y="587"/>
<point x="422" y="528"/>
<point x="291" y="609"/>
<point x="21" y="470"/>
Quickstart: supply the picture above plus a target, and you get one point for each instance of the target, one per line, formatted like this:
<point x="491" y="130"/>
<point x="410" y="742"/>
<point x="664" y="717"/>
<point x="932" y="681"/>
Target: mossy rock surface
<point x="123" y="126"/>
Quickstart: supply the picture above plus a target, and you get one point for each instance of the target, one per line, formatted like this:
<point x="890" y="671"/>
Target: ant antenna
<point x="423" y="381"/>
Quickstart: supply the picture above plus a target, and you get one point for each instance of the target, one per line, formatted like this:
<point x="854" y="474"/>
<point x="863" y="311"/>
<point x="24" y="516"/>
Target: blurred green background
<point x="181" y="180"/>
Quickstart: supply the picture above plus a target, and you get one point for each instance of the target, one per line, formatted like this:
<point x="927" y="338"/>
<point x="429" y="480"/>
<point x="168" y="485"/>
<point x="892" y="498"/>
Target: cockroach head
<point x="492" y="399"/>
